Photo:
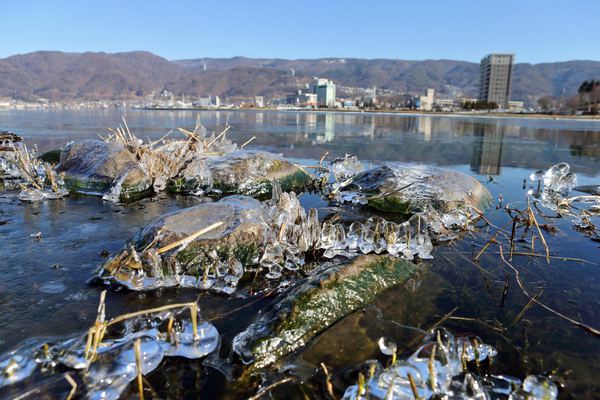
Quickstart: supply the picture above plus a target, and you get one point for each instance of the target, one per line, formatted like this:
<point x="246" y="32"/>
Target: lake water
<point x="44" y="291"/>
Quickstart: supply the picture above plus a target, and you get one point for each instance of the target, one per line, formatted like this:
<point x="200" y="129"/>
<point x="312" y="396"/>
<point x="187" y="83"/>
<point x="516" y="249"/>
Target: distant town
<point x="495" y="79"/>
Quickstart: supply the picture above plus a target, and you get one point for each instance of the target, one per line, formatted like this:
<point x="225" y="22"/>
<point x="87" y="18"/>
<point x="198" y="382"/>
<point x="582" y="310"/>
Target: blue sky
<point x="536" y="31"/>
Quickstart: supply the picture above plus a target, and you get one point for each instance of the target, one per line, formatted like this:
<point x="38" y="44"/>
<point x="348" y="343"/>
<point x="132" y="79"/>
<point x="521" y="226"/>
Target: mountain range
<point x="90" y="76"/>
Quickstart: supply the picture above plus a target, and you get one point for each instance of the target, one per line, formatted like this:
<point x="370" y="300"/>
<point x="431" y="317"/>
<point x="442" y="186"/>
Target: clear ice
<point x="557" y="179"/>
<point x="107" y="374"/>
<point x="439" y="369"/>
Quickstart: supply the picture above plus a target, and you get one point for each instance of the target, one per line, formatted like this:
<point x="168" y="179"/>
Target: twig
<point x="267" y="389"/>
<point x="323" y="157"/>
<point x="218" y="137"/>
<point x="583" y="326"/>
<point x="438" y="323"/>
<point x="413" y="386"/>
<point x="73" y="386"/>
<point x="488" y="244"/>
<point x="328" y="384"/>
<point x="138" y="366"/>
<point x="247" y="142"/>
<point x="527" y="307"/>
<point x="505" y="290"/>
<point x="540" y="234"/>
<point x="191" y="237"/>
<point x="512" y="237"/>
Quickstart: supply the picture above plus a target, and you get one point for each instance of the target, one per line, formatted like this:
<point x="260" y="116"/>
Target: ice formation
<point x="440" y="368"/>
<point x="108" y="368"/>
<point x="406" y="239"/>
<point x="346" y="167"/>
<point x="552" y="190"/>
<point x="41" y="181"/>
<point x="557" y="179"/>
<point x="274" y="235"/>
<point x="445" y="199"/>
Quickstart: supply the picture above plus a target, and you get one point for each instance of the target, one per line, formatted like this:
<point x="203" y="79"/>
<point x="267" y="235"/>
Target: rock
<point x="407" y="189"/>
<point x="214" y="260"/>
<point x="52" y="156"/>
<point x="251" y="172"/>
<point x="589" y="189"/>
<point x="99" y="168"/>
<point x="316" y="303"/>
<point x="195" y="178"/>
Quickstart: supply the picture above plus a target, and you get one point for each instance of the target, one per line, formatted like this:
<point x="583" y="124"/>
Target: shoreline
<point x="416" y="113"/>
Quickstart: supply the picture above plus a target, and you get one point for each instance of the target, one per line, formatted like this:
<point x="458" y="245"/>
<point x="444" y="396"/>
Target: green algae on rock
<point x="316" y="303"/>
<point x="100" y="168"/>
<point x="215" y="260"/>
<point x="252" y="172"/>
<point x="407" y="189"/>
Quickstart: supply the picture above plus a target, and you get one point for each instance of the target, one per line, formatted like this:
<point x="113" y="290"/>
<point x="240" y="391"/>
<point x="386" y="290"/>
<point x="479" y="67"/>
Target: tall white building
<point x="426" y="102"/>
<point x="325" y="91"/>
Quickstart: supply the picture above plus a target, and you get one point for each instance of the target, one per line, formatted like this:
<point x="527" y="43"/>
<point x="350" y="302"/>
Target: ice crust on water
<point x="114" y="367"/>
<point x="439" y="369"/>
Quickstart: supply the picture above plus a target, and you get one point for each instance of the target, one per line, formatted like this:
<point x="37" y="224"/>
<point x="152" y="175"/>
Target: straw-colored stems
<point x="190" y="134"/>
<point x="542" y="239"/>
<point x="527" y="306"/>
<point x="134" y="314"/>
<point x="170" y="328"/>
<point x="73" y="386"/>
<point x="413" y="386"/>
<point x="361" y="385"/>
<point x="323" y="157"/>
<point x="431" y="368"/>
<point x="189" y="238"/>
<point x="218" y="137"/>
<point x="328" y="384"/>
<point x="138" y="365"/>
<point x="267" y="389"/>
<point x="512" y="237"/>
<point x="248" y="142"/>
<point x="581" y="325"/>
<point x="194" y="315"/>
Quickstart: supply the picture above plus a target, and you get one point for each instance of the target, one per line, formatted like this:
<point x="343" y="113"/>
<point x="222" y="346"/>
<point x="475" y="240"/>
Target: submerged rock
<point x="100" y="168"/>
<point x="316" y="303"/>
<point x="214" y="260"/>
<point x="407" y="189"/>
<point x="252" y="172"/>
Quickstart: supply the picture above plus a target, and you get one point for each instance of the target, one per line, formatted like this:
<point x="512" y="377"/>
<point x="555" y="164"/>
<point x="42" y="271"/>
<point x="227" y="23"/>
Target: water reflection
<point x="487" y="150"/>
<point x="484" y="144"/>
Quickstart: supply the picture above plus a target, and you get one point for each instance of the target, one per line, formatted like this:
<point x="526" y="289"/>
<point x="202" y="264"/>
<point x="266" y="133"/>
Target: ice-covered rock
<point x="103" y="168"/>
<point x="252" y="172"/>
<point x="407" y="189"/>
<point x="214" y="260"/>
<point x="315" y="303"/>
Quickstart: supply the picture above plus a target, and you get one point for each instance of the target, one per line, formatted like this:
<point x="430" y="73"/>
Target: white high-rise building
<point x="325" y="91"/>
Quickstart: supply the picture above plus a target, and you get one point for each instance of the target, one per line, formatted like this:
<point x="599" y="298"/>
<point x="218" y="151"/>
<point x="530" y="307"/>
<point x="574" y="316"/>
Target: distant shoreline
<point x="391" y="112"/>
